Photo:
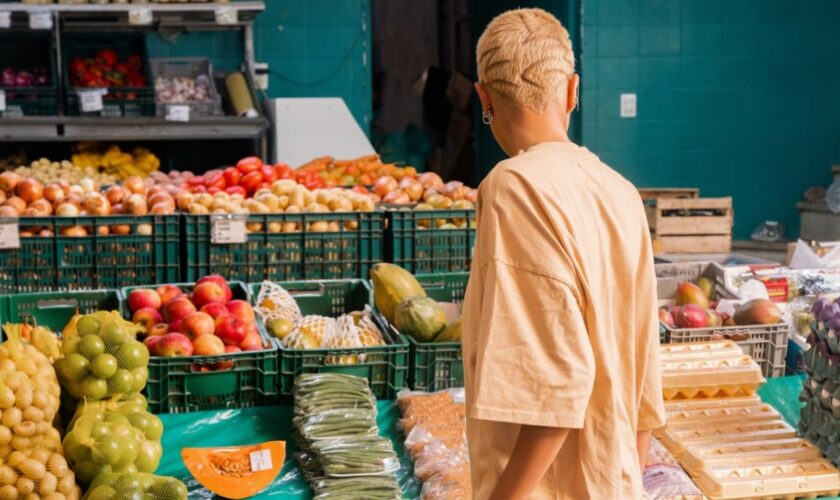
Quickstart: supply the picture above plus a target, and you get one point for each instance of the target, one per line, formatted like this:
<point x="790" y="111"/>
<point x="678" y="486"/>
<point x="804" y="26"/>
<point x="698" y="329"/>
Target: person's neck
<point x="531" y="134"/>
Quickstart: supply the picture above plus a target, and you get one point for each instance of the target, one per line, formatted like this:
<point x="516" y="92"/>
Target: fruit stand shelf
<point x="66" y="128"/>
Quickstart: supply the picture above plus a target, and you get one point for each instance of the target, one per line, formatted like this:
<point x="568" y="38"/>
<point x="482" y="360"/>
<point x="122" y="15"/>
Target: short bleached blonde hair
<point x="525" y="55"/>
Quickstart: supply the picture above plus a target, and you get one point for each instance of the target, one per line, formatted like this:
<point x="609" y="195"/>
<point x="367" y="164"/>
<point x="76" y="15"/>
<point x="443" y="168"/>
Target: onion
<point x="74" y="231"/>
<point x="53" y="193"/>
<point x="459" y="193"/>
<point x="42" y="206"/>
<point x="25" y="233"/>
<point x="117" y="209"/>
<point x="414" y="191"/>
<point x="144" y="229"/>
<point x="2" y="197"/>
<point x="97" y="204"/>
<point x="135" y="184"/>
<point x="183" y="201"/>
<point x="67" y="210"/>
<point x="65" y="186"/>
<point x="46" y="233"/>
<point x="135" y="205"/>
<point x="115" y="195"/>
<point x="77" y="190"/>
<point x="396" y="197"/>
<point x="121" y="229"/>
<point x="18" y="204"/>
<point x="89" y="185"/>
<point x="161" y="209"/>
<point x="429" y="192"/>
<point x="9" y="180"/>
<point x="29" y="190"/>
<point x="163" y="198"/>
<point x="103" y="231"/>
<point x="450" y="187"/>
<point x="430" y="179"/>
<point x="8" y="211"/>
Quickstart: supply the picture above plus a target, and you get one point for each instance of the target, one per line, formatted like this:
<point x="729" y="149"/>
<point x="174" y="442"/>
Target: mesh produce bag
<point x="37" y="473"/>
<point x="274" y="301"/>
<point x="136" y="485"/>
<point x="345" y="335"/>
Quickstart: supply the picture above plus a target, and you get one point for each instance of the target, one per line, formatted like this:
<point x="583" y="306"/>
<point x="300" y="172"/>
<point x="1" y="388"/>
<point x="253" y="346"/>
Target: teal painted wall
<point x="736" y="97"/>
<point x="314" y="48"/>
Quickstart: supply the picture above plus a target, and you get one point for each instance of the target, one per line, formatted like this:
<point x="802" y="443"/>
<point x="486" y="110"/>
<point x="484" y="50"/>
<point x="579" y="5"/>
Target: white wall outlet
<point x="628" y="106"/>
<point x="261" y="75"/>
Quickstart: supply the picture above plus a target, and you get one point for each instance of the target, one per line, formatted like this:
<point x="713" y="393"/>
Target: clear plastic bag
<point x="664" y="479"/>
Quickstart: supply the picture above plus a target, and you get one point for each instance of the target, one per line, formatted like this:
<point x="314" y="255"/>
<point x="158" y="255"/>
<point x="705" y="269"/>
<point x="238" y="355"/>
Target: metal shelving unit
<point x="59" y="18"/>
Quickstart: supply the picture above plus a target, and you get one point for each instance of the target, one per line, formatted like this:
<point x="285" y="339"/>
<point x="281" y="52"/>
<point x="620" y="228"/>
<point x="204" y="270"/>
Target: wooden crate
<point x="678" y="225"/>
<point x="650" y="194"/>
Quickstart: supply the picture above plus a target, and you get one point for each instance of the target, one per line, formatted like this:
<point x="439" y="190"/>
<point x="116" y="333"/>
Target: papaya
<point x="420" y="317"/>
<point x="758" y="312"/>
<point x="229" y="472"/>
<point x="452" y="333"/>
<point x="392" y="285"/>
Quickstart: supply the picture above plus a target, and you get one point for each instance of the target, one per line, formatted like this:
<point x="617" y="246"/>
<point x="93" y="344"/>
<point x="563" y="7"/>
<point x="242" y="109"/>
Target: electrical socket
<point x="261" y="75"/>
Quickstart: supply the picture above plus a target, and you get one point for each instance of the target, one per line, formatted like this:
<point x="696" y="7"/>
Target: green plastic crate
<point x="26" y="50"/>
<point x="148" y="254"/>
<point x="177" y="384"/>
<point x="55" y="309"/>
<point x="438" y="365"/>
<point x="119" y="102"/>
<point x="385" y="367"/>
<point x="429" y="249"/>
<point x="286" y="256"/>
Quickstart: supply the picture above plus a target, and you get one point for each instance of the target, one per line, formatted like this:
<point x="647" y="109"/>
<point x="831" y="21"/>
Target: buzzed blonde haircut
<point x="525" y="55"/>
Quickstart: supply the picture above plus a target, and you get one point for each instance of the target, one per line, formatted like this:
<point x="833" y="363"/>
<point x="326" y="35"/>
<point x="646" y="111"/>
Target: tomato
<point x="216" y="180"/>
<point x="214" y="190"/>
<point x="232" y="176"/>
<point x="236" y="190"/>
<point x="251" y="181"/>
<point x="269" y="174"/>
<point x="198" y="180"/>
<point x="352" y="170"/>
<point x="283" y="171"/>
<point x="198" y="189"/>
<point x="249" y="164"/>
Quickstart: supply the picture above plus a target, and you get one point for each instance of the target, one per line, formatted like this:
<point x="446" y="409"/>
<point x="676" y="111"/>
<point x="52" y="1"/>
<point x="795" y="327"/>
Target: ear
<point x="572" y="93"/>
<point x="483" y="96"/>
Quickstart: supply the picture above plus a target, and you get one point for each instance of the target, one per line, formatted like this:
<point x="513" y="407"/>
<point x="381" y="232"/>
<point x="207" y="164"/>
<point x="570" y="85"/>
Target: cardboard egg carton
<point x="679" y="437"/>
<point x="714" y="455"/>
<point x="782" y="479"/>
<point x="708" y="370"/>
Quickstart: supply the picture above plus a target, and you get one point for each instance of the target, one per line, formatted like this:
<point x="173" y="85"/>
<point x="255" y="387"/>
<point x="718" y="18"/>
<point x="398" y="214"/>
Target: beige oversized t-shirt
<point x="560" y="322"/>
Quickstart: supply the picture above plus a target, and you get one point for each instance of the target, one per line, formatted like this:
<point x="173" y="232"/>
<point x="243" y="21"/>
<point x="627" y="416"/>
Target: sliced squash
<point x="236" y="471"/>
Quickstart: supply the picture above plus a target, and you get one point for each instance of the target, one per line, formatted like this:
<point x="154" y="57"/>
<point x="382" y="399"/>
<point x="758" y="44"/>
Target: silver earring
<point x="486" y="116"/>
<point x="577" y="98"/>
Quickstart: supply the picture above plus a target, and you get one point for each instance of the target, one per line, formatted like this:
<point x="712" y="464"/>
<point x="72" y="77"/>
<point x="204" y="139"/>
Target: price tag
<point x="178" y="113"/>
<point x="9" y="234"/>
<point x="226" y="229"/>
<point x="2" y="100"/>
<point x="140" y="17"/>
<point x="227" y="15"/>
<point x="5" y="19"/>
<point x="40" y="20"/>
<point x="260" y="460"/>
<point x="90" y="100"/>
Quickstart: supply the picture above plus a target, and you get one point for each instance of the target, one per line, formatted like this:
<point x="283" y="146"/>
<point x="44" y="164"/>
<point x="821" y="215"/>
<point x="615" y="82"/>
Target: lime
<point x="104" y="366"/>
<point x="93" y="388"/>
<point x="91" y="346"/>
<point x="106" y="449"/>
<point x="168" y="488"/>
<point x="151" y="426"/>
<point x="101" y="493"/>
<point x="120" y="382"/>
<point x="116" y="420"/>
<point x="87" y="325"/>
<point x="132" y="354"/>
<point x="130" y="494"/>
<point x="70" y="345"/>
<point x="127" y="481"/>
<point x="140" y="376"/>
<point x="148" y="456"/>
<point x="129" y="448"/>
<point x="75" y="367"/>
<point x="113" y="336"/>
<point x="87" y="470"/>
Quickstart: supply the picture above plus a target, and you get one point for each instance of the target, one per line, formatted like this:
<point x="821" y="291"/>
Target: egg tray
<point x="679" y="393"/>
<point x="712" y="377"/>
<point x="709" y="416"/>
<point x="785" y="479"/>
<point x="712" y="455"/>
<point x="700" y="350"/>
<point x="703" y="403"/>
<point x="680" y="437"/>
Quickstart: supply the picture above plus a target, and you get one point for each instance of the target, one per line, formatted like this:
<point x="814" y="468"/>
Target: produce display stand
<point x="29" y="49"/>
<point x="429" y="249"/>
<point x="690" y="225"/>
<point x="55" y="309"/>
<point x="179" y="385"/>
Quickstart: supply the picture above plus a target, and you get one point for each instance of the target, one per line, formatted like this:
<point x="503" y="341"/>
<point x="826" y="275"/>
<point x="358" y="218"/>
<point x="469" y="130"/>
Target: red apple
<point x="174" y="344"/>
<point x="148" y="317"/>
<point x="208" y="345"/>
<point x="692" y="316"/>
<point x="151" y="343"/>
<point x="242" y="310"/>
<point x="196" y="325"/>
<point x="208" y="293"/>
<point x="231" y="329"/>
<point x="665" y="317"/>
<point x="252" y="338"/>
<point x="143" y="298"/>
<point x="175" y="326"/>
<point x="215" y="309"/>
<point x="232" y="348"/>
<point x="168" y="292"/>
<point x="217" y="279"/>
<point x="177" y="308"/>
<point x="227" y="365"/>
<point x="159" y="330"/>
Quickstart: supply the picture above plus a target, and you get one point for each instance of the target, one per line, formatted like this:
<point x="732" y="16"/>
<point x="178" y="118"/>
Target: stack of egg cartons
<point x="820" y="416"/>
<point x="732" y="444"/>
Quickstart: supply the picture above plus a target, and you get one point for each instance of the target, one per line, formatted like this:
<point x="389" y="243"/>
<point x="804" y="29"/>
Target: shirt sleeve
<point x="537" y="366"/>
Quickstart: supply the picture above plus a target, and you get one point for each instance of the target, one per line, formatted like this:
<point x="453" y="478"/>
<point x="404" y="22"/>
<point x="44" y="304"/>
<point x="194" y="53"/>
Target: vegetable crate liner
<point x="286" y="256"/>
<point x="55" y="309"/>
<point x="25" y="51"/>
<point x="385" y="367"/>
<point x="438" y="365"/>
<point x="91" y="262"/>
<point x="413" y="242"/>
<point x="118" y="102"/>
<point x="177" y="384"/>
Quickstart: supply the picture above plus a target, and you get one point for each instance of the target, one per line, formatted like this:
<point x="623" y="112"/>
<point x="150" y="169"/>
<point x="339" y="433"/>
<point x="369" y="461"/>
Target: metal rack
<point x="58" y="18"/>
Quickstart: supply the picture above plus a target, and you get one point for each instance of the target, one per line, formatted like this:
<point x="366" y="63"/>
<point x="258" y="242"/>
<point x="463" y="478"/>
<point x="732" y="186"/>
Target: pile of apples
<point x="428" y="187"/>
<point x="206" y="322"/>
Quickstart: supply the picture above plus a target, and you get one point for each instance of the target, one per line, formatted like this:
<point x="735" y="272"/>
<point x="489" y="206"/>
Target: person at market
<point x="560" y="341"/>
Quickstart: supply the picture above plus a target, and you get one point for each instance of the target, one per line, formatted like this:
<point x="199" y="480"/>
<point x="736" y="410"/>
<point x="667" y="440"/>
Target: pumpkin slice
<point x="236" y="471"/>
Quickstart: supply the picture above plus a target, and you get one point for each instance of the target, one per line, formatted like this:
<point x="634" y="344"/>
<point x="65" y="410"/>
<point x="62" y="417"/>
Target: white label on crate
<point x="90" y="100"/>
<point x="227" y="15"/>
<point x="2" y="100"/>
<point x="40" y="20"/>
<point x="5" y="19"/>
<point x="260" y="460"/>
<point x="226" y="229"/>
<point x="178" y="113"/>
<point x="140" y="16"/>
<point x="9" y="234"/>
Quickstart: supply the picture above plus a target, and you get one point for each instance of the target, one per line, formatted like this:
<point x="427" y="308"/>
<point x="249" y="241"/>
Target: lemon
<point x="87" y="325"/>
<point x="132" y="354"/>
<point x="120" y="382"/>
<point x="75" y="367"/>
<point x="140" y="376"/>
<point x="90" y="346"/>
<point x="93" y="388"/>
<point x="104" y="366"/>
